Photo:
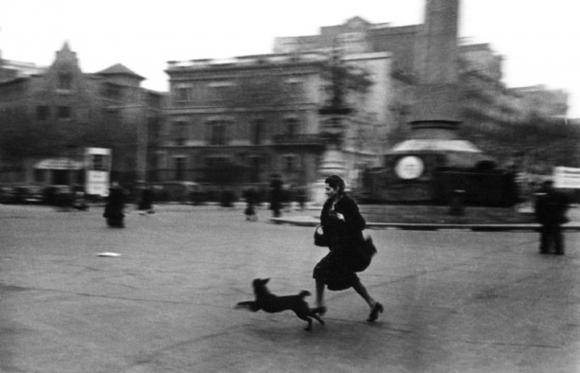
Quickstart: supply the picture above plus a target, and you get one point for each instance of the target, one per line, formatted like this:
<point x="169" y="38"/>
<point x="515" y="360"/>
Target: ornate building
<point x="239" y="121"/>
<point x="76" y="110"/>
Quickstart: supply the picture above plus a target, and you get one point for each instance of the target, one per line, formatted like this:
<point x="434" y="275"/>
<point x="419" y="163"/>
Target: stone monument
<point x="413" y="167"/>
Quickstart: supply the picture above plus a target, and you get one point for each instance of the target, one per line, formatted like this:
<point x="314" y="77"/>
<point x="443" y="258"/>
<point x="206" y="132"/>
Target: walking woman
<point x="342" y="225"/>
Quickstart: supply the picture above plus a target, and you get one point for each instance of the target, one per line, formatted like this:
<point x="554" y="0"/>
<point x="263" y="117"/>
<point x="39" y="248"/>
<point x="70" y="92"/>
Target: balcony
<point x="301" y="140"/>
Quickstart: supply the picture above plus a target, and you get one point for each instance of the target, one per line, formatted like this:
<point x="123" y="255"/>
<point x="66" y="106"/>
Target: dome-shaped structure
<point x="433" y="163"/>
<point x="439" y="138"/>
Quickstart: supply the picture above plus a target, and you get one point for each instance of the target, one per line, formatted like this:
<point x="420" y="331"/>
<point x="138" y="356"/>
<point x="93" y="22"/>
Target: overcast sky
<point x="538" y="38"/>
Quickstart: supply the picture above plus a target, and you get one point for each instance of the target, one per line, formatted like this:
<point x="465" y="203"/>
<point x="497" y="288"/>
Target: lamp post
<point x="332" y="117"/>
<point x="71" y="164"/>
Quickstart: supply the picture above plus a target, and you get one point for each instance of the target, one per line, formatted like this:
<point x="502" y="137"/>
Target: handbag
<point x="363" y="255"/>
<point x="320" y="238"/>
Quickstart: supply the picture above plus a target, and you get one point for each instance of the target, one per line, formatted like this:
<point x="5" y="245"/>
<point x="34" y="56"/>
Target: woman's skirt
<point x="335" y="271"/>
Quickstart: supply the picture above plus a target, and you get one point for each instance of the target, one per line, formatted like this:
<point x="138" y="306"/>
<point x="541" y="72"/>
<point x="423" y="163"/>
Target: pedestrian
<point x="550" y="209"/>
<point x="276" y="195"/>
<point x="301" y="197"/>
<point x="80" y="200"/>
<point x="342" y="225"/>
<point x="114" y="208"/>
<point x="251" y="198"/>
<point x="146" y="201"/>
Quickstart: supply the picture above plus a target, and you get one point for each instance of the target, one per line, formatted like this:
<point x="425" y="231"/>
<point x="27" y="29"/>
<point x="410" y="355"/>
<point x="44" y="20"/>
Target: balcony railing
<point x="303" y="139"/>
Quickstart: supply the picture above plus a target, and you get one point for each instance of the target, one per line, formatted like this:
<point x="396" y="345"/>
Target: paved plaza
<point x="455" y="300"/>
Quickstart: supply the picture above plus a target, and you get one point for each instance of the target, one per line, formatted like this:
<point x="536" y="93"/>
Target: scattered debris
<point x="108" y="254"/>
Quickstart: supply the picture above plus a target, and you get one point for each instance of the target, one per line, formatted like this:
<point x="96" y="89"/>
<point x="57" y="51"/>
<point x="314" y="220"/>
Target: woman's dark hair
<point x="335" y="181"/>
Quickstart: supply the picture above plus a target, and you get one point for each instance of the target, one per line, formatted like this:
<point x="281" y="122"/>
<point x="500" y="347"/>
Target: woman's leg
<point x="320" y="293"/>
<point x="375" y="306"/>
<point x="362" y="291"/>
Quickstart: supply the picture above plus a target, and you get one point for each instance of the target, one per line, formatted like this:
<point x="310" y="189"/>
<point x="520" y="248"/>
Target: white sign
<point x="98" y="166"/>
<point x="102" y="151"/>
<point x="409" y="167"/>
<point x="567" y="178"/>
<point x="97" y="177"/>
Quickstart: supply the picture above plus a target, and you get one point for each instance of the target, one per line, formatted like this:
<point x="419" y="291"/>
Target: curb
<point x="312" y="222"/>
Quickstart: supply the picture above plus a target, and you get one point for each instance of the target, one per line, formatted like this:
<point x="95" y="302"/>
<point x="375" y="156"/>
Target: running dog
<point x="271" y="303"/>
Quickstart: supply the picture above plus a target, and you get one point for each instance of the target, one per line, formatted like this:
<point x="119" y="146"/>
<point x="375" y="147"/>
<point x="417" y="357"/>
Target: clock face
<point x="409" y="167"/>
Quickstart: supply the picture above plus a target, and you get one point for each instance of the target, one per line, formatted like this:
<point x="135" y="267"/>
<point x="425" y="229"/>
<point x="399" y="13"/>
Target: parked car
<point x="7" y="194"/>
<point x="27" y="194"/>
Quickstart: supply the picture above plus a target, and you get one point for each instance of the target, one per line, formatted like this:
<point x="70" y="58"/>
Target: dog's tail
<point x="304" y="293"/>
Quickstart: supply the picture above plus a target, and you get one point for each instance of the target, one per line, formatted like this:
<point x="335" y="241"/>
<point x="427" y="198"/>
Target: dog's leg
<point x="249" y="305"/>
<point x="309" y="326"/>
<point x="306" y="318"/>
<point x="317" y="318"/>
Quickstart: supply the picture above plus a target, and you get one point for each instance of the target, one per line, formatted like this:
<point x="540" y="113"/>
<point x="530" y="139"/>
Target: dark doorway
<point x="60" y="177"/>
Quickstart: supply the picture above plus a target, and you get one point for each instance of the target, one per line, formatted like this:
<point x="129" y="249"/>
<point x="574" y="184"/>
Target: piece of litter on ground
<point x="107" y="254"/>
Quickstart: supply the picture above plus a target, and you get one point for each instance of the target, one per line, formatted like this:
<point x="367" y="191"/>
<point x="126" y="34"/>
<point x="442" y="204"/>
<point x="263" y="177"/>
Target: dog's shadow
<point x="276" y="330"/>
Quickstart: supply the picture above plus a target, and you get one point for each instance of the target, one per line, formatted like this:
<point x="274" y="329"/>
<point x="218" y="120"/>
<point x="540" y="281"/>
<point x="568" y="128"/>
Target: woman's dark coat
<point x="344" y="238"/>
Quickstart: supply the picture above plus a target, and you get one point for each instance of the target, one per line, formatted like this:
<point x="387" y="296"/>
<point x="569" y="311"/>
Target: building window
<point x="294" y="87"/>
<point x="291" y="127"/>
<point x="64" y="112"/>
<point x="160" y="160"/>
<point x="153" y="129"/>
<point x="42" y="112"/>
<point x="221" y="90"/>
<point x="289" y="162"/>
<point x="113" y="91"/>
<point x="255" y="169"/>
<point x="179" y="168"/>
<point x="64" y="81"/>
<point x="257" y="131"/>
<point x="217" y="132"/>
<point x="180" y="133"/>
<point x="182" y="93"/>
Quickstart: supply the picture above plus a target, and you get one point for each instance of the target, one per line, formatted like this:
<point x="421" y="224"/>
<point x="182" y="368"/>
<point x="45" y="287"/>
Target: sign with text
<point x="58" y="164"/>
<point x="98" y="168"/>
<point x="567" y="178"/>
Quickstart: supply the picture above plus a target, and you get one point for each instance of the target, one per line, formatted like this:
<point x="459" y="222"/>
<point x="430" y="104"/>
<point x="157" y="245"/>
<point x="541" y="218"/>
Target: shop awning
<point x="58" y="164"/>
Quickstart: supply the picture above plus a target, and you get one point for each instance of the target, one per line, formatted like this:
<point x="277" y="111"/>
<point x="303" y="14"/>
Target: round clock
<point x="409" y="167"/>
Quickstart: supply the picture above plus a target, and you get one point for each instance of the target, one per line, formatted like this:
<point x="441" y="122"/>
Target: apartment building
<point x="238" y="121"/>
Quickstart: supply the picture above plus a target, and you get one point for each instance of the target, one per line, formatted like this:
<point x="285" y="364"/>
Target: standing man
<point x="550" y="208"/>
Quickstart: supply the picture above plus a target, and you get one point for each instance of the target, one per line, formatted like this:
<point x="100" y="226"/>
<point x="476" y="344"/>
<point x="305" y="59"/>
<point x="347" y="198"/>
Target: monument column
<point x="436" y="95"/>
<point x="413" y="165"/>
<point x="437" y="43"/>
<point x="333" y="118"/>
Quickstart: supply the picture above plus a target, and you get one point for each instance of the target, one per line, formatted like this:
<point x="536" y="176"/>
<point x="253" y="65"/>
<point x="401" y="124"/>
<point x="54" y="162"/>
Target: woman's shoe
<point x="374" y="315"/>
